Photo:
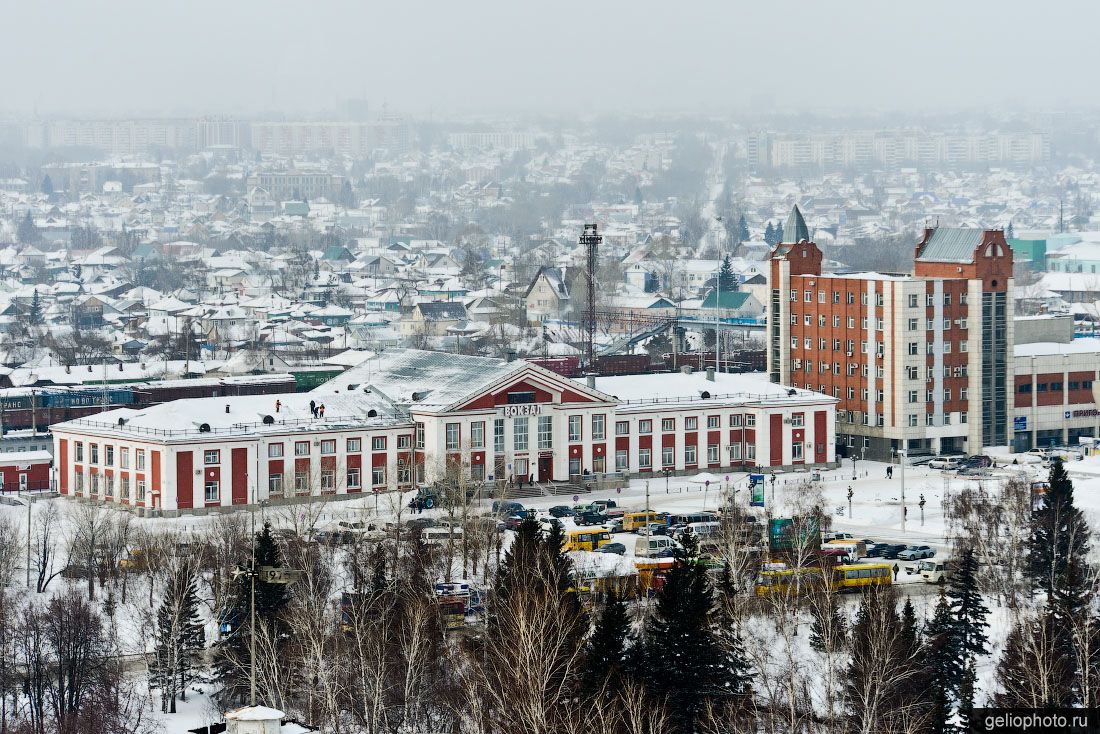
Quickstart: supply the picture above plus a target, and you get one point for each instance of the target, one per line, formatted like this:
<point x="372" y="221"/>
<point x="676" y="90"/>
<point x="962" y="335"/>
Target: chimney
<point x="710" y="374"/>
<point x="120" y="366"/>
<point x="227" y="407"/>
<point x="510" y="356"/>
<point x="686" y="369"/>
<point x="592" y="382"/>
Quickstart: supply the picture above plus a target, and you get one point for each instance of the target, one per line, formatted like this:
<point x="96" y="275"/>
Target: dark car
<point x="979" y="462"/>
<point x="891" y="550"/>
<point x="560" y="511"/>
<point x="421" y="523"/>
<point x="874" y="548"/>
<point x="590" y="517"/>
<point x="616" y="548"/>
<point x="501" y="507"/>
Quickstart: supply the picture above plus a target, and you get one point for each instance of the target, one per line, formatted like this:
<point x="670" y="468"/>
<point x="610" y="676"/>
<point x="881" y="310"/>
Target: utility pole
<point x="591" y="241"/>
<point x="921" y="503"/>
<point x="850" y="493"/>
<point x="647" y="497"/>
<point x="902" y="454"/>
<point x="28" y="501"/>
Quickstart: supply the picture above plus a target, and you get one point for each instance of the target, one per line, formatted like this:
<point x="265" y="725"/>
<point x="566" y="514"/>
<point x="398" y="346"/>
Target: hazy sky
<point x="163" y="56"/>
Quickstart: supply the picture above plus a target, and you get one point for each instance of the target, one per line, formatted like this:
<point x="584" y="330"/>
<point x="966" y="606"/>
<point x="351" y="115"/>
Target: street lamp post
<point x="921" y="510"/>
<point x="850" y="493"/>
<point x="902" y="456"/>
<point x="853" y="468"/>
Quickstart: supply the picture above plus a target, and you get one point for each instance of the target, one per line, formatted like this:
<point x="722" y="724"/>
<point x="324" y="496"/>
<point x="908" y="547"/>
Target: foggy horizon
<point x="492" y="57"/>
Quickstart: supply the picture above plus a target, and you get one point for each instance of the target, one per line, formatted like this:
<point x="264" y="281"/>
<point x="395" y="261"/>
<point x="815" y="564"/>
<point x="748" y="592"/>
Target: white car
<point x="944" y="462"/>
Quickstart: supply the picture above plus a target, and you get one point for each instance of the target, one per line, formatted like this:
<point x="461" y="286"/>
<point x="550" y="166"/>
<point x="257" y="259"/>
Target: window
<point x="912" y="300"/>
<point x="794" y="295"/>
<point x="211" y="456"/>
<point x="94" y="451"/>
<point x="735" y="452"/>
<point x="211" y="492"/>
<point x="913" y="348"/>
<point x="355" y="445"/>
<point x="798" y="420"/>
<point x="929" y="300"/>
<point x="378" y="443"/>
<point x="691" y="423"/>
<point x="597" y="428"/>
<point x="574" y="428"/>
<point x="355" y="478"/>
<point x="668" y="424"/>
<point x="962" y="417"/>
<point x="419" y="435"/>
<point x="645" y="459"/>
<point x="622" y="460"/>
<point x="912" y="420"/>
<point x="275" y="483"/>
<point x="750" y="420"/>
<point x="108" y="456"/>
<point x="328" y="480"/>
<point x="947" y="299"/>
<point x="794" y="319"/>
<point x="947" y="347"/>
<point x="963" y="346"/>
<point x="404" y="441"/>
<point x="836" y="322"/>
<point x="546" y="431"/>
<point x="796" y="451"/>
<point x="645" y="426"/>
<point x="851" y="322"/>
<point x="301" y="482"/>
<point x="712" y="453"/>
<point x="124" y="458"/>
<point x="95" y="484"/>
<point x="622" y="428"/>
<point x="714" y="421"/>
<point x="519" y="433"/>
<point x="913" y="396"/>
<point x="477" y="435"/>
<point x="851" y="298"/>
<point x="140" y="486"/>
<point x="807" y="296"/>
<point x="821" y="296"/>
<point x="689" y="454"/>
<point x="328" y="446"/>
<point x="946" y="395"/>
<point x="452" y="436"/>
<point x="274" y="451"/>
<point x="964" y="394"/>
<point x="378" y="475"/>
<point x="78" y="451"/>
<point x="750" y="452"/>
<point x="668" y="456"/>
<point x="301" y="448"/>
<point x="498" y="435"/>
<point x="808" y="320"/>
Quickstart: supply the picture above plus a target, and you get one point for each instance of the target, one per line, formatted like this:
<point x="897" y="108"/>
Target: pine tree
<point x="778" y="233"/>
<point x="27" y="233"/>
<point x="943" y="663"/>
<point x="769" y="235"/>
<point x="684" y="656"/>
<point x="742" y="230"/>
<point x="638" y="200"/>
<point x="727" y="281"/>
<point x="1009" y="233"/>
<point x="34" y="316"/>
<point x="828" y="629"/>
<point x="966" y="696"/>
<point x="179" y="638"/>
<point x="605" y="654"/>
<point x="47" y="185"/>
<point x="967" y="606"/>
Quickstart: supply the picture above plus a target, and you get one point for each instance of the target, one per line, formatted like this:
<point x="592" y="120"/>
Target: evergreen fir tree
<point x="727" y="281"/>
<point x="828" y="629"/>
<point x="769" y="234"/>
<point x="1009" y="233"/>
<point x="638" y="200"/>
<point x="684" y="655"/>
<point x="27" y="233"/>
<point x="605" y="654"/>
<point x="778" y="233"/>
<point x="743" y="230"/>
<point x="34" y="316"/>
<point x="47" y="185"/>
<point x="966" y="696"/>
<point x="944" y="665"/>
<point x="179" y="638"/>
<point x="967" y="606"/>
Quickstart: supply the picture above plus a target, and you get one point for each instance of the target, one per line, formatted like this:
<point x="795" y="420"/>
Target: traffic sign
<point x="576" y="497"/>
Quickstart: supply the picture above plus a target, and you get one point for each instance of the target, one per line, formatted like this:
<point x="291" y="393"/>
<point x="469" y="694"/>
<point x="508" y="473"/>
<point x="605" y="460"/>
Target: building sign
<point x="1084" y="413"/>
<point x="511" y="411"/>
<point x="1019" y="423"/>
<point x="756" y="488"/>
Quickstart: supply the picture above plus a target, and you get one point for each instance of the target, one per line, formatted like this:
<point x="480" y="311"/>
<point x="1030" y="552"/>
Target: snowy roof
<point x="677" y="388"/>
<point x="1039" y="349"/>
<point x="255" y="713"/>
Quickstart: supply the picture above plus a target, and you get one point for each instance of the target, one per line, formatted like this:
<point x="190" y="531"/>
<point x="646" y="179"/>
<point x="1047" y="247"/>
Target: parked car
<point x="916" y="552"/>
<point x="616" y="548"/>
<point x="891" y="550"/>
<point x="501" y="507"/>
<point x="512" y="522"/>
<point x="948" y="463"/>
<point x="560" y="511"/>
<point x="605" y="505"/>
<point x="652" y="546"/>
<point x="828" y="537"/>
<point x="979" y="461"/>
<point x="936" y="571"/>
<point x="420" y="523"/>
<point x="654" y="528"/>
<point x="590" y="517"/>
<point x="1041" y="453"/>
<point x="615" y="526"/>
<point x="874" y="548"/>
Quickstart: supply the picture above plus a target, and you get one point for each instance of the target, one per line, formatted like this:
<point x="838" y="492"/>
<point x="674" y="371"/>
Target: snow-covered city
<point x="627" y="368"/>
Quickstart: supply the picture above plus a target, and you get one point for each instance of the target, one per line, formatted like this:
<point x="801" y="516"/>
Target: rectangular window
<point x="912" y="420"/>
<point x="645" y="459"/>
<point x="452" y="436"/>
<point x="668" y="456"/>
<point x="689" y="454"/>
<point x="546" y="431"/>
<point x="274" y="451"/>
<point x="622" y="460"/>
<point x="735" y="420"/>
<point x="124" y="487"/>
<point x="597" y="428"/>
<point x="108" y="456"/>
<point x="668" y="424"/>
<point x="355" y="445"/>
<point x="798" y="420"/>
<point x="645" y="426"/>
<point x="574" y="428"/>
<point x="275" y="484"/>
<point x="796" y="451"/>
<point x="404" y="441"/>
<point x="477" y="434"/>
<point x="420" y="435"/>
<point x="498" y="435"/>
<point x="962" y="417"/>
<point x="735" y="452"/>
<point x="355" y="478"/>
<point x="301" y="448"/>
<point x="750" y="452"/>
<point x="913" y="348"/>
<point x="378" y="443"/>
<point x="140" y="490"/>
<point x="78" y="451"/>
<point x="328" y="447"/>
<point x="378" y="476"/>
<point x="714" y="421"/>
<point x="124" y="458"/>
<point x="211" y="456"/>
<point x="712" y="453"/>
<point x="691" y="423"/>
<point x="750" y="420"/>
<point x="912" y="300"/>
<point x="94" y="453"/>
<point x="519" y="433"/>
<point x="622" y="428"/>
<point x="301" y="482"/>
<point x="211" y="492"/>
<point x="328" y="480"/>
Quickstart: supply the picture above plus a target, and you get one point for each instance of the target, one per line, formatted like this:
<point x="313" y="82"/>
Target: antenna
<point x="591" y="241"/>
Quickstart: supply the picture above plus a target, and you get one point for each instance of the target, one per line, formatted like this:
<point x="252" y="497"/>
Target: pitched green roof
<point x="952" y="244"/>
<point x="727" y="299"/>
<point x="795" y="230"/>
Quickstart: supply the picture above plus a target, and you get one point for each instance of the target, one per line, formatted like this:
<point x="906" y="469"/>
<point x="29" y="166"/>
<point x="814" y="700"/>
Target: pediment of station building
<point x="548" y="387"/>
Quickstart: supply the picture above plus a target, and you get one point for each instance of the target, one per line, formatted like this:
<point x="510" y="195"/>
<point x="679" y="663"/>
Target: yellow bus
<point x="850" y="577"/>
<point x="587" y="540"/>
<point x="632" y="521"/>
<point x="788" y="581"/>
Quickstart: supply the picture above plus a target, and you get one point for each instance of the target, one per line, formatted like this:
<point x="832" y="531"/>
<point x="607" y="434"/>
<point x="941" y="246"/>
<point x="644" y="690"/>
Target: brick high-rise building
<point x="920" y="362"/>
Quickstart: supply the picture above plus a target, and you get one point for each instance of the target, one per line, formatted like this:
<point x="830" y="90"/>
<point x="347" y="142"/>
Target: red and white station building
<point x="408" y="416"/>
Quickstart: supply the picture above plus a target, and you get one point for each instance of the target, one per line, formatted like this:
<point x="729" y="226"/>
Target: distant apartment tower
<point x="323" y="138"/>
<point x="919" y="362"/>
<point x="114" y="137"/>
<point x="219" y="132"/>
<point x="491" y="140"/>
<point x="283" y="185"/>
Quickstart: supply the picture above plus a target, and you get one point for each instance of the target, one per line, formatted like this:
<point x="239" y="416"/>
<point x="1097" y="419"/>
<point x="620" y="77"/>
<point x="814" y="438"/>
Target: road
<point x="716" y="233"/>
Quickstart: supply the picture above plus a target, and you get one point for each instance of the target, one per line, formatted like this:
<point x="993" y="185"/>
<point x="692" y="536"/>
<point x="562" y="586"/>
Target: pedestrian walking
<point x="321" y="410"/>
<point x="896" y="569"/>
<point x="313" y="408"/>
